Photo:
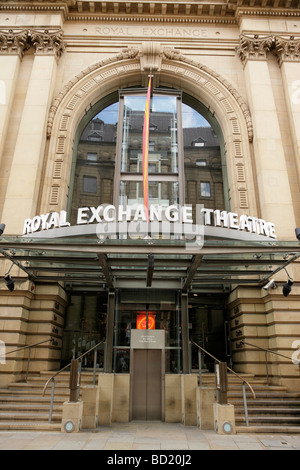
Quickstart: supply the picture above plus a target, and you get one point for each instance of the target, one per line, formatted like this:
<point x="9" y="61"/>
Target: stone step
<point x="268" y="429"/>
<point x="266" y="411"/>
<point x="269" y="420"/>
<point x="28" y="426"/>
<point x="29" y="416"/>
<point x="27" y="400"/>
<point x="13" y="406"/>
<point x="265" y="394"/>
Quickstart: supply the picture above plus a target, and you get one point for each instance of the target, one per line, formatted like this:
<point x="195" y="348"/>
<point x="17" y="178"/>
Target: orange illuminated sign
<point x="141" y="322"/>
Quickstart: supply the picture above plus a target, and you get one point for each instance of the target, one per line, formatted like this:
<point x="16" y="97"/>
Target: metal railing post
<point x="245" y="404"/>
<point x="28" y="362"/>
<point x="51" y="400"/>
<point x="74" y="381"/>
<point x="267" y="372"/>
<point x="95" y="366"/>
<point x="200" y="366"/>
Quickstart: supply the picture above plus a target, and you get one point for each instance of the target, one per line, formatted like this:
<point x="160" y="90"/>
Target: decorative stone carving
<point x="173" y="54"/>
<point x="151" y="57"/>
<point x="125" y="54"/>
<point x="151" y="60"/>
<point x="47" y="42"/>
<point x="287" y="49"/>
<point x="253" y="47"/>
<point x="13" y="43"/>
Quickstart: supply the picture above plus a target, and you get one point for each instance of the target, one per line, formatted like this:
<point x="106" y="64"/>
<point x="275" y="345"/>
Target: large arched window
<point x="185" y="164"/>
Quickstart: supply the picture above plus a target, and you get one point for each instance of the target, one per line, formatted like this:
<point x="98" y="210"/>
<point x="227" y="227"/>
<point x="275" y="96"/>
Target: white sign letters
<point x="164" y="215"/>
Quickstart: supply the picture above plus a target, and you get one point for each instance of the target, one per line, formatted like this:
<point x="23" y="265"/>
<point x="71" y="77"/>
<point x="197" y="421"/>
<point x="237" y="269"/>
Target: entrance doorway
<point x="147" y="309"/>
<point x="147" y="375"/>
<point x="147" y="385"/>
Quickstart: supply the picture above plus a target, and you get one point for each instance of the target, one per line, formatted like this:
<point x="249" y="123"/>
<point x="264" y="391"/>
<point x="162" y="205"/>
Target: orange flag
<point x="146" y="151"/>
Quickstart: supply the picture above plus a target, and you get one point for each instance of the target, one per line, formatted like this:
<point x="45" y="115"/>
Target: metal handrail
<point x="30" y="346"/>
<point x="228" y="368"/>
<point x="266" y="350"/>
<point x="245" y="382"/>
<point x="52" y="378"/>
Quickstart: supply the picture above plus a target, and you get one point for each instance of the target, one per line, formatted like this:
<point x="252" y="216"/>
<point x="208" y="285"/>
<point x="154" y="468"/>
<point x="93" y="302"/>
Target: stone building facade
<point x="236" y="64"/>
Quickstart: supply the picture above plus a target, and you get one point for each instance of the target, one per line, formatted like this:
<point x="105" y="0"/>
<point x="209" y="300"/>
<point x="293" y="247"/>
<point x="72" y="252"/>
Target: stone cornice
<point x="184" y="11"/>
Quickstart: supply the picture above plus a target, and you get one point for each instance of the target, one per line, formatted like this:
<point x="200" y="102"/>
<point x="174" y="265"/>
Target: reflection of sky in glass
<point x="190" y="117"/>
<point x="158" y="103"/>
<point x="109" y="115"/>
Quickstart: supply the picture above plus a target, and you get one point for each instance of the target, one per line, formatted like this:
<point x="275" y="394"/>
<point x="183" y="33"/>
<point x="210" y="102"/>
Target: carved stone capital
<point x="13" y="43"/>
<point x="253" y="47"/>
<point x="287" y="50"/>
<point x="47" y="42"/>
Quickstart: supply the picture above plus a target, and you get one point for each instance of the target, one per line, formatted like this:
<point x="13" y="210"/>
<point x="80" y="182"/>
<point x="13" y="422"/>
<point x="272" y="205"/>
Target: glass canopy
<point x="83" y="264"/>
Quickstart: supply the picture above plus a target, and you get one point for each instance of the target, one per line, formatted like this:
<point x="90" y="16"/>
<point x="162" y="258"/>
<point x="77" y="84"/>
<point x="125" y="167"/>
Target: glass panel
<point x="163" y="140"/>
<point x="85" y="326"/>
<point x="202" y="162"/>
<point x="163" y="312"/>
<point x="162" y="193"/>
<point x="90" y="184"/>
<point x="206" y="317"/>
<point x="95" y="164"/>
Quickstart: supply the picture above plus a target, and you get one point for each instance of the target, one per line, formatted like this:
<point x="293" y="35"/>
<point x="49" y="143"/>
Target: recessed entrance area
<point x="147" y="309"/>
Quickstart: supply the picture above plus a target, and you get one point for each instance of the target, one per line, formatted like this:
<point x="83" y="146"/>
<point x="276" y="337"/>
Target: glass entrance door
<point x="85" y="326"/>
<point x="147" y="309"/>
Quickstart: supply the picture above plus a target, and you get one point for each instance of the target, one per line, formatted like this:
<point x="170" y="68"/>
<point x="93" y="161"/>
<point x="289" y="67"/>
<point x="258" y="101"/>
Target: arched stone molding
<point x="125" y="70"/>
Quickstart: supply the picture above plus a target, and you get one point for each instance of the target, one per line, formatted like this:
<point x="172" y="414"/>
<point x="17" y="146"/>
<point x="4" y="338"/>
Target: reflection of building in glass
<point x="95" y="166"/>
<point x="203" y="168"/>
<point x="163" y="145"/>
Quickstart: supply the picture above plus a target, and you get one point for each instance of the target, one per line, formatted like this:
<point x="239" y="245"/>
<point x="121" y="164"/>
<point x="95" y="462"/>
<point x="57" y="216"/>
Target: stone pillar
<point x="272" y="176"/>
<point x="224" y="417"/>
<point x="288" y="53"/>
<point x="121" y="398"/>
<point x="12" y="46"/>
<point x="206" y="397"/>
<point x="173" y="408"/>
<point x="189" y="384"/>
<point x="90" y="400"/>
<point x="106" y="397"/>
<point x="28" y="157"/>
<point x="72" y="417"/>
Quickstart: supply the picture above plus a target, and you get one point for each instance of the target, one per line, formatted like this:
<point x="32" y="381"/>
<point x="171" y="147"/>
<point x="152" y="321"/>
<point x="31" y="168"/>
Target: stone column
<point x="288" y="53"/>
<point x="12" y="47"/>
<point x="25" y="176"/>
<point x="272" y="176"/>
